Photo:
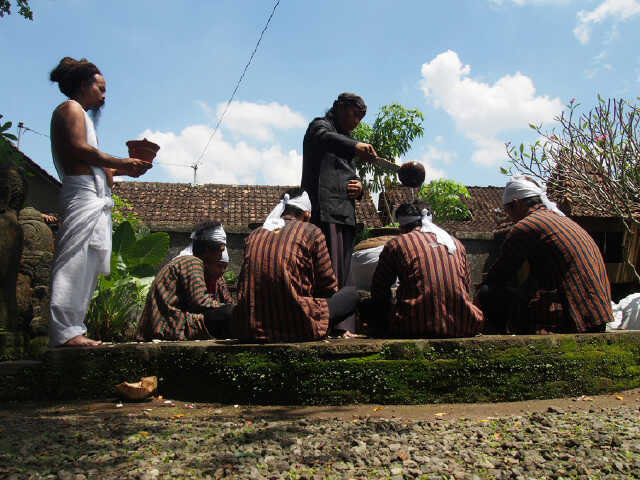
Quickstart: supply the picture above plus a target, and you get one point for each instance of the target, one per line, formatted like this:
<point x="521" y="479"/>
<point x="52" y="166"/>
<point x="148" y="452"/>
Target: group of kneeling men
<point x="287" y="290"/>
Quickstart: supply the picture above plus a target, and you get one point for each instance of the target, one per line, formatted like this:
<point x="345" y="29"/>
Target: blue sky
<point x="479" y="70"/>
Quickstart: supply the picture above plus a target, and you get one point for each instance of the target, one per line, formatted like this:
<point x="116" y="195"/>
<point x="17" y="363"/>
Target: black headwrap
<point x="351" y="100"/>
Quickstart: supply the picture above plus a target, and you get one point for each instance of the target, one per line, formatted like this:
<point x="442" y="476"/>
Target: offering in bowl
<point x="143" y="149"/>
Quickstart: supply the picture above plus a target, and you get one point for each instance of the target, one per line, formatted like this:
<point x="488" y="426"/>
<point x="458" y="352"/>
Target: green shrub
<point x="119" y="299"/>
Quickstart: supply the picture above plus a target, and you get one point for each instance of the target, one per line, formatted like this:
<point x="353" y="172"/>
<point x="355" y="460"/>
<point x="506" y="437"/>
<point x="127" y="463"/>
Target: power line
<point x="224" y="112"/>
<point x="21" y="128"/>
<point x="27" y="129"/>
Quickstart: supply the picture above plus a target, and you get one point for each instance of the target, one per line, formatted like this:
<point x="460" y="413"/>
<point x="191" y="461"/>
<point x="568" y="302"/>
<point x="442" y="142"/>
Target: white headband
<point x="216" y="234"/>
<point x="442" y="237"/>
<point x="520" y="187"/>
<point x="274" y="221"/>
<point x="225" y="256"/>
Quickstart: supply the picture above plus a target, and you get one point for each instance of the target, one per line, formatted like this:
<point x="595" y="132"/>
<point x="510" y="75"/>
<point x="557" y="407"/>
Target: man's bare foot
<point x="348" y="334"/>
<point x="81" y="341"/>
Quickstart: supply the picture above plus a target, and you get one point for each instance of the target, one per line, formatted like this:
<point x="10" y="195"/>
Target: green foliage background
<point x="445" y="198"/>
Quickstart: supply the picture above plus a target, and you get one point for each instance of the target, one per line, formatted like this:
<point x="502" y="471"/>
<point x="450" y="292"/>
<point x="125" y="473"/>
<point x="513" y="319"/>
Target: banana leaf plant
<point x="119" y="299"/>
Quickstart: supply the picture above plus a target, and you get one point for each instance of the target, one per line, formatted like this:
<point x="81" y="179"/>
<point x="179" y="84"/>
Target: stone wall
<point x="482" y="249"/>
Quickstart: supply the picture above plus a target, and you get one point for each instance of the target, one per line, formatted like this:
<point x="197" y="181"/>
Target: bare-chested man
<point x="83" y="243"/>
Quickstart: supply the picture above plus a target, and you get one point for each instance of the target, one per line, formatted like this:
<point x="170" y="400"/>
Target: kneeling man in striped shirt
<point x="432" y="299"/>
<point x="287" y="290"/>
<point x="178" y="305"/>
<point x="567" y="291"/>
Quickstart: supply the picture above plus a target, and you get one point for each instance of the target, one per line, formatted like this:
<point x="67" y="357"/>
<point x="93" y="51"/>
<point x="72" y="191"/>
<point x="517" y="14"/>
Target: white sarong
<point x="83" y="247"/>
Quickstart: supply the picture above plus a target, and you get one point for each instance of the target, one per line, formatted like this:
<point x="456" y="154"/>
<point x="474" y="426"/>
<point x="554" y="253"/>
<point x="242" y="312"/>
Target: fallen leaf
<point x="190" y="406"/>
<point x="159" y="397"/>
<point x="43" y="453"/>
<point x="180" y="415"/>
<point x="619" y="397"/>
<point x="484" y="420"/>
<point x="377" y="409"/>
<point x="497" y="435"/>
<point x="440" y="414"/>
<point x="143" y="433"/>
<point x="402" y="456"/>
<point x="167" y="401"/>
<point x="249" y="423"/>
<point x="119" y="405"/>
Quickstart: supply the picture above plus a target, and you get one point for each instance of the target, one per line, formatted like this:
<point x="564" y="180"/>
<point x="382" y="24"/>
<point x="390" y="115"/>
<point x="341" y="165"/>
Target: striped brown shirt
<point x="176" y="302"/>
<point x="566" y="263"/>
<point x="432" y="299"/>
<point x="218" y="288"/>
<point x="285" y="278"/>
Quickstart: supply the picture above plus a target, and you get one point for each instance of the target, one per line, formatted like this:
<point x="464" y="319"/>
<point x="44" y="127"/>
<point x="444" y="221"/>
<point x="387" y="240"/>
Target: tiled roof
<point x="571" y="201"/>
<point x="182" y="205"/>
<point x="36" y="169"/>
<point x="485" y="206"/>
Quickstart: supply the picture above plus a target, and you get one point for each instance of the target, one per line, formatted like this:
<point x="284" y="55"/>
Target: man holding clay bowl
<point x="83" y="244"/>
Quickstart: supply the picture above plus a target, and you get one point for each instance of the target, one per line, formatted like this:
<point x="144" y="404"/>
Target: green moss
<point x="412" y="371"/>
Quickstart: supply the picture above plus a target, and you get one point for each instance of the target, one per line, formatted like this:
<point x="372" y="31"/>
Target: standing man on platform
<point x="329" y="177"/>
<point x="83" y="243"/>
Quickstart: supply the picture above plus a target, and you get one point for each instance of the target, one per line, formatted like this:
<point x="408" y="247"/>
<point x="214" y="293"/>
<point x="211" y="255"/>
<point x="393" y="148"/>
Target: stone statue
<point x="32" y="291"/>
<point x="13" y="190"/>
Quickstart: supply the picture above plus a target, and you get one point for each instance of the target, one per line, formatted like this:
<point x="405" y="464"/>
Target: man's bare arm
<point x="69" y="136"/>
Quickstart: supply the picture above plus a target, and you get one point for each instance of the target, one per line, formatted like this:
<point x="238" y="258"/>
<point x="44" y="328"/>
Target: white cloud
<point x="434" y="154"/>
<point x="224" y="162"/>
<point x="483" y="111"/>
<point x="257" y="121"/>
<point x="618" y="10"/>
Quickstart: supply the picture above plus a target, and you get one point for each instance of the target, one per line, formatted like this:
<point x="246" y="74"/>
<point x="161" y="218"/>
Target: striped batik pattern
<point x="283" y="285"/>
<point x="563" y="258"/>
<point x="176" y="302"/>
<point x="218" y="288"/>
<point x="432" y="299"/>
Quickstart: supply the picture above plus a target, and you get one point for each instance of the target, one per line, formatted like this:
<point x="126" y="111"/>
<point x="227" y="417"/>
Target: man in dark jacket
<point x="329" y="177"/>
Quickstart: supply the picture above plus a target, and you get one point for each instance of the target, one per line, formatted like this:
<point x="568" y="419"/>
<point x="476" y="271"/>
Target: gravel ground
<point x="597" y="440"/>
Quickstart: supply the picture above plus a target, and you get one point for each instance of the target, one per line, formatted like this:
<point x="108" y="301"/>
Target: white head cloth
<point x="520" y="187"/>
<point x="274" y="221"/>
<point x="216" y="234"/>
<point x="442" y="237"/>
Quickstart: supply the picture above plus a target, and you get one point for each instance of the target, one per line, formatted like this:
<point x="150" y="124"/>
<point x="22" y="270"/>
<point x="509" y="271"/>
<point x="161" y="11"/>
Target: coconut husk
<point x="138" y="390"/>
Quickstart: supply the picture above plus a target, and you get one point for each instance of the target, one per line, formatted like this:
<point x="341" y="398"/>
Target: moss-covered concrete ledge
<point x="486" y="368"/>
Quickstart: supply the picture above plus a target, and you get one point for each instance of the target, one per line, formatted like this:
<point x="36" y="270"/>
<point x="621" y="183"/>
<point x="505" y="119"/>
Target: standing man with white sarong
<point x="83" y="243"/>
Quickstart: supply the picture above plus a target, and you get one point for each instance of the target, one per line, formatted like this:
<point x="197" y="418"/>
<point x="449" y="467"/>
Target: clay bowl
<point x="143" y="149"/>
<point x="411" y="174"/>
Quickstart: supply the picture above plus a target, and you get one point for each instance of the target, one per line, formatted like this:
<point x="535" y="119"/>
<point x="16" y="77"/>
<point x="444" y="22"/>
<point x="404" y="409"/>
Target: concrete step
<point x="479" y="369"/>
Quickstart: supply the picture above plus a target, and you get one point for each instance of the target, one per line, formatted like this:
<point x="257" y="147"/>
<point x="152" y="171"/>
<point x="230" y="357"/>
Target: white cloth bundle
<point x="520" y="187"/>
<point x="274" y="221"/>
<point x="626" y="313"/>
<point x="442" y="237"/>
<point x="83" y="247"/>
